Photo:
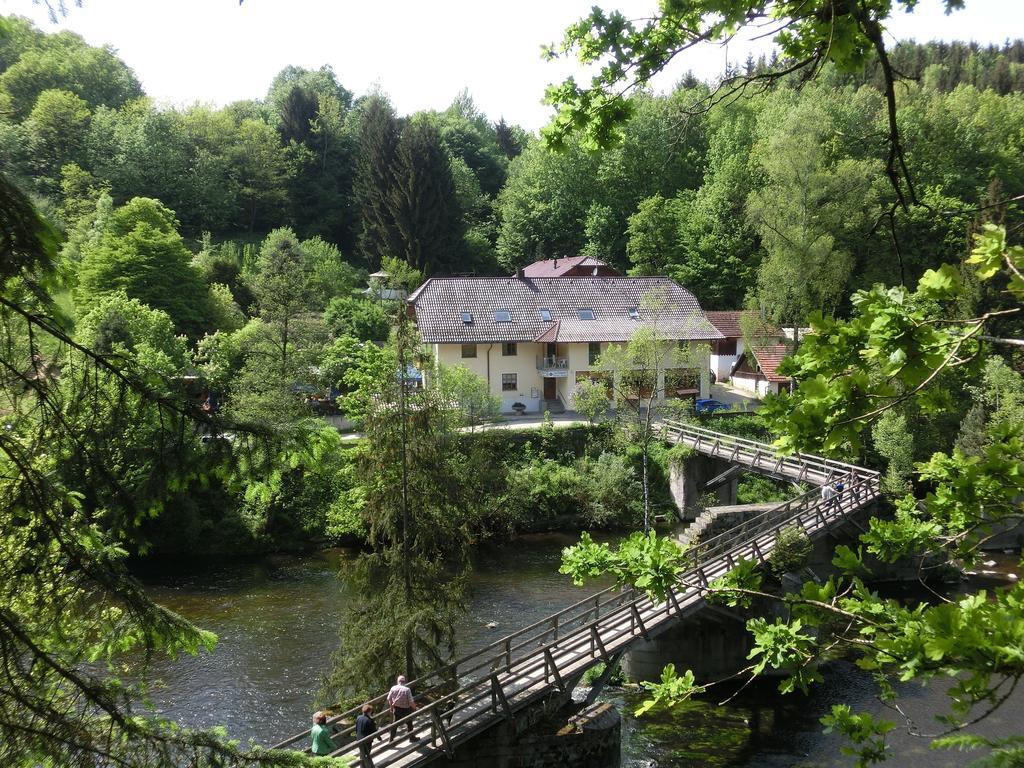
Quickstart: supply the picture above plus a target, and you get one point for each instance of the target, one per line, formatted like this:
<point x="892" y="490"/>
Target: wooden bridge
<point x="548" y="658"/>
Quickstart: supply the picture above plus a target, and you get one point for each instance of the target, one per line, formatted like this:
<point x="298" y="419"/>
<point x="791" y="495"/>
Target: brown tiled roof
<point x="729" y="323"/>
<point x="562" y="267"/>
<point x="441" y="301"/>
<point x="768" y="359"/>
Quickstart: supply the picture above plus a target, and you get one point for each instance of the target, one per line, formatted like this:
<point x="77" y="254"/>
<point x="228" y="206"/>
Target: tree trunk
<point x="406" y="556"/>
<point x="647" y="490"/>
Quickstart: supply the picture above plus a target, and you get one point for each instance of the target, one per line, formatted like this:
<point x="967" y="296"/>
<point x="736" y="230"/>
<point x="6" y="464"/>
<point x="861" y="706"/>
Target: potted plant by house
<point x="519" y="408"/>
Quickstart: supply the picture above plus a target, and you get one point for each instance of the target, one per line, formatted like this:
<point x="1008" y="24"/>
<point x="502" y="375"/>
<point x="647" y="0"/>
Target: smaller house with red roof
<point x="758" y="370"/>
<point x="728" y="351"/>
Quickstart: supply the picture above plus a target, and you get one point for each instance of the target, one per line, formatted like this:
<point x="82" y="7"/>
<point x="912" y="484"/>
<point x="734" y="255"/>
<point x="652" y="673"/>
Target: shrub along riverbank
<point x="581" y="477"/>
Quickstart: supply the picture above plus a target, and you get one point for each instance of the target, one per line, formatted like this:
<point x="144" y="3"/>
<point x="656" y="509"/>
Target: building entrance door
<point x="549" y="388"/>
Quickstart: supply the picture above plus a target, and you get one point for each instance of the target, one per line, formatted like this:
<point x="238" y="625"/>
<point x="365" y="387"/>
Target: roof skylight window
<point x="467" y="318"/>
<point x="634" y="313"/>
<point x="586" y="314"/>
<point x="545" y="315"/>
<point x="502" y="316"/>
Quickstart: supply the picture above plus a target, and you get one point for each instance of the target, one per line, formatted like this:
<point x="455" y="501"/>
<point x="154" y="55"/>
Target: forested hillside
<point x="705" y="196"/>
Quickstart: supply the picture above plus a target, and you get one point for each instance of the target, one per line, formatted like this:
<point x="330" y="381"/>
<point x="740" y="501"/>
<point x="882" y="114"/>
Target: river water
<point x="277" y="621"/>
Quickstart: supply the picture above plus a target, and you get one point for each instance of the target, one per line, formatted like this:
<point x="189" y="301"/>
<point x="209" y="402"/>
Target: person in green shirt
<point x="323" y="744"/>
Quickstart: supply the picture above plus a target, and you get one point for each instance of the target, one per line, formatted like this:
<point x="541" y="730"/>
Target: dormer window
<point x="545" y="315"/>
<point x="467" y="318"/>
<point x="634" y="313"/>
<point x="586" y="314"/>
<point x="502" y="316"/>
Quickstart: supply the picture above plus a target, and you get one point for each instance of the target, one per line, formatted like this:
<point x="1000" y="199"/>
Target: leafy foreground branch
<point x="850" y="373"/>
<point x="977" y="640"/>
<point x="91" y="447"/>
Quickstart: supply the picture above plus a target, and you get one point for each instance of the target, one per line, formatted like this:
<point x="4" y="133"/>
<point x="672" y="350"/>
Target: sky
<point x="422" y="54"/>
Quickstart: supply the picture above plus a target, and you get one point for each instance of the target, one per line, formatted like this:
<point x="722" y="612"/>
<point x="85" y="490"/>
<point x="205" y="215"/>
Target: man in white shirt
<point x="401" y="704"/>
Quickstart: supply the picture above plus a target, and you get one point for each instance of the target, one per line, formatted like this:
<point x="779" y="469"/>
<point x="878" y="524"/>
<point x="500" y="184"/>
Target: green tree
<point x="309" y="109"/>
<point x="55" y="135"/>
<point x="627" y="54"/>
<point x="377" y="132"/>
<point x="71" y="614"/>
<point x="544" y="205"/>
<point x="895" y="443"/>
<point x="653" y="236"/>
<point x="225" y="314"/>
<point x="639" y="372"/>
<point x="719" y="248"/>
<point x="330" y="275"/>
<point x="422" y="201"/>
<point x="281" y="288"/>
<point x="362" y="319"/>
<point x="468" y="393"/>
<point x="294" y="99"/>
<point x="140" y="252"/>
<point x="591" y="398"/>
<point x="65" y="62"/>
<point x="264" y="173"/>
<point x="420" y="497"/>
<point x="802" y="215"/>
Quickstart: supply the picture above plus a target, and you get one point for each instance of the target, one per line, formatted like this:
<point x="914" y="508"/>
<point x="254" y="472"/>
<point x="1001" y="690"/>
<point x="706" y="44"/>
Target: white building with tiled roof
<point x="761" y="376"/>
<point x="534" y="339"/>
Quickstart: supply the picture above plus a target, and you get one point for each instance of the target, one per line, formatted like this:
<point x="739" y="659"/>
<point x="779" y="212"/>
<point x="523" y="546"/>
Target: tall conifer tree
<point x="423" y="203"/>
<point x="377" y="145"/>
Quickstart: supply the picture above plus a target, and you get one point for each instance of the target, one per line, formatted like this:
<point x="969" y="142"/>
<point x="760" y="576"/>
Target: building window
<point x="593" y="352"/>
<point x="467" y="318"/>
<point x="634" y="313"/>
<point x="509" y="382"/>
<point x="545" y="315"/>
<point x="468" y="350"/>
<point x="586" y="314"/>
<point x="725" y="347"/>
<point x="508" y="349"/>
<point x="502" y="316"/>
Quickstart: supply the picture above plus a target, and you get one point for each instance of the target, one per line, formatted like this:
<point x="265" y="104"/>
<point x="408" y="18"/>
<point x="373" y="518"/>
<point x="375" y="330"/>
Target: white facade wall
<point x="578" y="358"/>
<point x="757" y="385"/>
<point x="721" y="365"/>
<point x="530" y="383"/>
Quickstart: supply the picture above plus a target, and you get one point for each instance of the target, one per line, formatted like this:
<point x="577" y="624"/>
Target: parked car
<point x="708" y="405"/>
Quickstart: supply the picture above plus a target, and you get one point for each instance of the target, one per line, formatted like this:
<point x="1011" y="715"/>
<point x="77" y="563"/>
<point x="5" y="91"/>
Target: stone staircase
<point x="552" y="406"/>
<point x="716" y="520"/>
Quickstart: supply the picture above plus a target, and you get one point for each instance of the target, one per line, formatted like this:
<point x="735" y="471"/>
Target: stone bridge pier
<point x="714" y="643"/>
<point x="689" y="478"/>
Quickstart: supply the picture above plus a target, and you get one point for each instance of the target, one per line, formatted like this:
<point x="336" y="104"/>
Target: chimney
<point x="556" y="262"/>
<point x="520" y="273"/>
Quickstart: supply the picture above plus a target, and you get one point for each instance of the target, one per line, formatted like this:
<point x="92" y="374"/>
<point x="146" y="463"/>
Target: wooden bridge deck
<point x="489" y="686"/>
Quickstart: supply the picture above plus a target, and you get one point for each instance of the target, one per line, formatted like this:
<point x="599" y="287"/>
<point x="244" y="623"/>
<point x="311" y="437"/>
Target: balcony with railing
<point x="553" y="367"/>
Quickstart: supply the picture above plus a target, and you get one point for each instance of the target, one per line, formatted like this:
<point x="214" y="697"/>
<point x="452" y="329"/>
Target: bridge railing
<point x="741" y="449"/>
<point x="529" y="651"/>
